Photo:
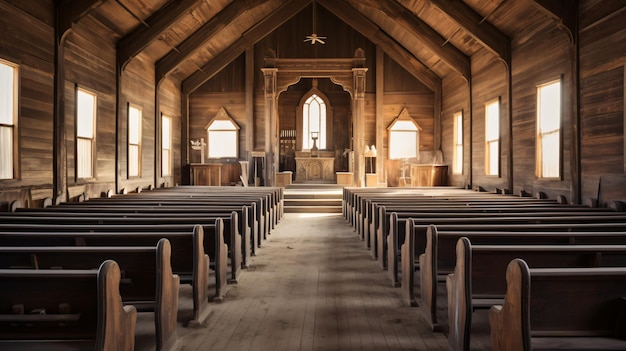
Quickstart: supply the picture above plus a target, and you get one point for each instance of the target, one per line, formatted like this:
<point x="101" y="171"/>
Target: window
<point x="403" y="137"/>
<point x="549" y="130"/>
<point x="223" y="136"/>
<point x="457" y="166"/>
<point x="85" y="126"/>
<point x="492" y="138"/>
<point x="314" y="121"/>
<point x="134" y="141"/>
<point x="8" y="119"/>
<point x="166" y="146"/>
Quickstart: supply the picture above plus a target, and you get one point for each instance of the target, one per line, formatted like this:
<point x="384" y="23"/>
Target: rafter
<point x="424" y="33"/>
<point x="71" y="11"/>
<point x="201" y="36"/>
<point x="134" y="42"/>
<point x="562" y="12"/>
<point x="367" y="28"/>
<point x="488" y="35"/>
<point x="253" y="35"/>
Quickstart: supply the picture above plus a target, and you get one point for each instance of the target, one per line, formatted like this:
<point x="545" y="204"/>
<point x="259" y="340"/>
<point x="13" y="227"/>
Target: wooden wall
<point x="170" y="98"/>
<point x="90" y="64"/>
<point x="543" y="54"/>
<point x="489" y="82"/>
<point x="33" y="51"/>
<point x="602" y="93"/>
<point x="457" y="99"/>
<point x="138" y="90"/>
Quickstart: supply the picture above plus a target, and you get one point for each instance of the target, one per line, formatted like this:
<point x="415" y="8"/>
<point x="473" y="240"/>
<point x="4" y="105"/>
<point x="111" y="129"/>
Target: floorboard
<point x="312" y="286"/>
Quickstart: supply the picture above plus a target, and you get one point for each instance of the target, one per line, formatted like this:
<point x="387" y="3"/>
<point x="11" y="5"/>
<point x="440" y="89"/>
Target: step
<point x="312" y="209"/>
<point x="312" y="202"/>
<point x="310" y="195"/>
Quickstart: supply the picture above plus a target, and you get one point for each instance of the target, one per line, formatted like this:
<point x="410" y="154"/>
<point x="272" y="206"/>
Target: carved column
<point x="358" y="125"/>
<point x="271" y="118"/>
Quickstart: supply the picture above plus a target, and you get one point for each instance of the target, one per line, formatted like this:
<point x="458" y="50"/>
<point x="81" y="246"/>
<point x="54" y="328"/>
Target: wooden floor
<point x="313" y="286"/>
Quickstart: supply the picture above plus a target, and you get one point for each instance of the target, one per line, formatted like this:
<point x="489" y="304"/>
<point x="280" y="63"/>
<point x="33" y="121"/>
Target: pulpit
<point x="216" y="174"/>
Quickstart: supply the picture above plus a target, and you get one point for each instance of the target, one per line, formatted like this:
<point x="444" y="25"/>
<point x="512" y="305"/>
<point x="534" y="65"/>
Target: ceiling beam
<point x="137" y="40"/>
<point x="249" y="38"/>
<point x="484" y="32"/>
<point x="562" y="12"/>
<point x="424" y="33"/>
<point x="72" y="11"/>
<point x="201" y="36"/>
<point x="371" y="31"/>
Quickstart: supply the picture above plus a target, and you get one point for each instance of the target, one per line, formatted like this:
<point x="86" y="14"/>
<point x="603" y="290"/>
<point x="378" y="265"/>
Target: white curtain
<point x="550" y="155"/>
<point x="84" y="158"/>
<point x="6" y="152"/>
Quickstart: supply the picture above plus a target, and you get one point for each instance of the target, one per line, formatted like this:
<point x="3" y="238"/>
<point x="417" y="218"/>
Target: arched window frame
<point x="325" y="135"/>
<point x="215" y="147"/>
<point x="395" y="127"/>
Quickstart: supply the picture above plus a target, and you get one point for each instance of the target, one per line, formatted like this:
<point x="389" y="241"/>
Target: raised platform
<point x="313" y="198"/>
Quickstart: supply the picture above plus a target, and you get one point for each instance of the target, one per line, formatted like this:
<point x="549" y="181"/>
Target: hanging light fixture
<point x="314" y="38"/>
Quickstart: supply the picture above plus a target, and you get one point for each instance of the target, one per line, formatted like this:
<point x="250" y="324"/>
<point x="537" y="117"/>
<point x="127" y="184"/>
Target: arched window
<point x="314" y="121"/>
<point x="223" y="136"/>
<point x="403" y="137"/>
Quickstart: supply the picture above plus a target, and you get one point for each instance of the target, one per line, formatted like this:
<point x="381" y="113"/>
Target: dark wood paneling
<point x="28" y="42"/>
<point x="204" y="106"/>
<point x="602" y="116"/>
<point x="420" y="107"/>
<point x="229" y="79"/>
<point x="546" y="56"/>
<point x="90" y="64"/>
<point x="342" y="41"/>
<point x="595" y="11"/>
<point x="488" y="84"/>
<point x="397" y="79"/>
<point x="138" y="90"/>
<point x="170" y="100"/>
<point x="456" y="99"/>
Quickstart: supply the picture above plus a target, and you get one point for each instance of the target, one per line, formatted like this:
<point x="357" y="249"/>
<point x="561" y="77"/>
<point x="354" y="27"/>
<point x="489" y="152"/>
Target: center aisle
<point x="313" y="286"/>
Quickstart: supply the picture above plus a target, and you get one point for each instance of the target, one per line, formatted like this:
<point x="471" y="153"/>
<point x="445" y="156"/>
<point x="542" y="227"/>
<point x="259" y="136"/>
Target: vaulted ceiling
<point x="191" y="40"/>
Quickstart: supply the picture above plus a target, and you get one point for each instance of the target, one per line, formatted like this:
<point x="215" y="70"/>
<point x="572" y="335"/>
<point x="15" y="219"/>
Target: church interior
<point x="136" y="115"/>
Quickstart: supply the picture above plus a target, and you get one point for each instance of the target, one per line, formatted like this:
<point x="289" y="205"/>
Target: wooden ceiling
<point x="191" y="40"/>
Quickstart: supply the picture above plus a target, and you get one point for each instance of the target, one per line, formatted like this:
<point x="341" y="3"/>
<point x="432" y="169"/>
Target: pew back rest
<point x="557" y="302"/>
<point x="78" y="304"/>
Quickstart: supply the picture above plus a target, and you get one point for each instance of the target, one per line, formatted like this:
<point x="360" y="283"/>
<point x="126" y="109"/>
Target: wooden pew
<point x="188" y="258"/>
<point x="65" y="310"/>
<point x="246" y="214"/>
<point x="274" y="195"/>
<point x="147" y="279"/>
<point x="439" y="256"/>
<point x="372" y="218"/>
<point x="232" y="239"/>
<point x="560" y="308"/>
<point x="267" y="201"/>
<point x="427" y="196"/>
<point x="425" y="204"/>
<point x="478" y="280"/>
<point x="391" y="234"/>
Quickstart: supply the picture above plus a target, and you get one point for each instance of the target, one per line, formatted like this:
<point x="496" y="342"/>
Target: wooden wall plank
<point x="489" y="78"/>
<point x="456" y="99"/>
<point x="602" y="91"/>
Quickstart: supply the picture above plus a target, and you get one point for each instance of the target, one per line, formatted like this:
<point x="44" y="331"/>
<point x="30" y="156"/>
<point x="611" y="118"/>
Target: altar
<point x="312" y="168"/>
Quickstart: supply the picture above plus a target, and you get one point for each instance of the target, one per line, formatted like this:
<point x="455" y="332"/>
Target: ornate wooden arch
<point x="279" y="74"/>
